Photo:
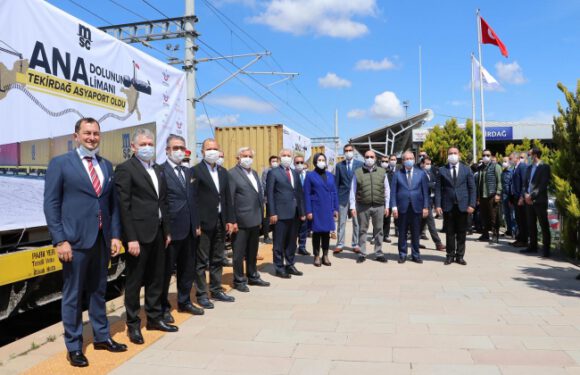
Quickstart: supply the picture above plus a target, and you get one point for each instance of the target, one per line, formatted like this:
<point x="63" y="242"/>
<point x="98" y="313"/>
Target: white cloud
<point x="332" y="81"/>
<point x="457" y="103"/>
<point x="384" y="64"/>
<point x="332" y="18"/>
<point x="242" y="103"/>
<point x="510" y="73"/>
<point x="248" y="3"/>
<point x="540" y="117"/>
<point x="387" y="105"/>
<point x="203" y="122"/>
<point x="356" y="113"/>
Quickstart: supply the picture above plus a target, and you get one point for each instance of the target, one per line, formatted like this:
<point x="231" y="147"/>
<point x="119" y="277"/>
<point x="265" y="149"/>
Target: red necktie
<point x="288" y="175"/>
<point x="96" y="183"/>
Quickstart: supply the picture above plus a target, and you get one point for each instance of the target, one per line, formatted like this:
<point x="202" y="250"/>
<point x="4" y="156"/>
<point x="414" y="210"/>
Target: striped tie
<point x="96" y="184"/>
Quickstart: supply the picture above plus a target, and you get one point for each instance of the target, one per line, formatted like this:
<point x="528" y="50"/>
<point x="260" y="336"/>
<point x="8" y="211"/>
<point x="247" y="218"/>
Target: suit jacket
<point x="518" y="180"/>
<point x="461" y="192"/>
<point x="248" y="203"/>
<point x="417" y="195"/>
<point x="539" y="184"/>
<point x="71" y="206"/>
<point x="182" y="203"/>
<point x="210" y="199"/>
<point x="343" y="180"/>
<point x="140" y="204"/>
<point x="284" y="200"/>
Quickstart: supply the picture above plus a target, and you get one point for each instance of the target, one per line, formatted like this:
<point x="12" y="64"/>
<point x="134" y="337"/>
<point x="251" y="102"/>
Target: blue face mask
<point x="145" y="153"/>
<point x="409" y="163"/>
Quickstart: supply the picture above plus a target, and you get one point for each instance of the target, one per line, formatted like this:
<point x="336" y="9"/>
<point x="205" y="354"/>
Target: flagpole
<point x="420" y="82"/>
<point x="481" y="79"/>
<point x="474" y="159"/>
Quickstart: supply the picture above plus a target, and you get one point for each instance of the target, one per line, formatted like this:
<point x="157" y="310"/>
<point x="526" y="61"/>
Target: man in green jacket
<point x="489" y="190"/>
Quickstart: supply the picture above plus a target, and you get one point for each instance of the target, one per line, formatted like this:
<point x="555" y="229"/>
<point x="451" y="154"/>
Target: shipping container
<point x="35" y="153"/>
<point x="116" y="144"/>
<point x="10" y="154"/>
<point x="62" y="145"/>
<point x="328" y="152"/>
<point x="266" y="140"/>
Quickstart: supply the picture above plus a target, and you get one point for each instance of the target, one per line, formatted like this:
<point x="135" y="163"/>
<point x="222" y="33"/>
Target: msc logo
<point x="84" y="37"/>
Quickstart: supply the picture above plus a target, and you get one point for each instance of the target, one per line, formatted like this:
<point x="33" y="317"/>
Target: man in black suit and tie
<point x="82" y="214"/>
<point x="248" y="203"/>
<point x="286" y="205"/>
<point x="517" y="198"/>
<point x="143" y="199"/>
<point x="535" y="193"/>
<point x="455" y="199"/>
<point x="216" y="216"/>
<point x="184" y="226"/>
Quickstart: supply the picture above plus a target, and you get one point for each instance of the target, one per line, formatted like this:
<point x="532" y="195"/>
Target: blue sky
<point x="361" y="58"/>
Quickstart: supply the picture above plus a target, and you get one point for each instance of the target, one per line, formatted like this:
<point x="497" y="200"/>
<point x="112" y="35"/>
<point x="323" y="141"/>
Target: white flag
<point x="489" y="83"/>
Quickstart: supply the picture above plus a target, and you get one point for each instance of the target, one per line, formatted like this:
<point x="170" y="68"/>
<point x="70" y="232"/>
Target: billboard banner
<point x="55" y="69"/>
<point x="499" y="133"/>
<point x="296" y="142"/>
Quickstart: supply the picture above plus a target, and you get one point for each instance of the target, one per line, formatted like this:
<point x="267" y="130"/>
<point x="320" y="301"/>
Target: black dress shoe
<point x="361" y="258"/>
<point x="387" y="239"/>
<point x="293" y="271"/>
<point x="483" y="238"/>
<point x="302" y="252"/>
<point x="221" y="296"/>
<point x="381" y="258"/>
<point x="258" y="282"/>
<point x="227" y="263"/>
<point x="242" y="288"/>
<point x="268" y="240"/>
<point x="77" y="359"/>
<point x="424" y="237"/>
<point x="160" y="325"/>
<point x="546" y="254"/>
<point x="421" y="246"/>
<point x="205" y="303"/>
<point x="110" y="345"/>
<point x="190" y="309"/>
<point x="461" y="261"/>
<point x="448" y="261"/>
<point x="135" y="336"/>
<point x="418" y="260"/>
<point x="168" y="318"/>
<point x="402" y="260"/>
<point x="528" y="251"/>
<point x="282" y="274"/>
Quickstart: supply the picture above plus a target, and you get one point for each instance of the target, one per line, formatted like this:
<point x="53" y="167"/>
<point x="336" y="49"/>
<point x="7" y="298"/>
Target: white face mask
<point x="88" y="152"/>
<point x="486" y="159"/>
<point x="299" y="167"/>
<point x="453" y="159"/>
<point x="428" y="167"/>
<point x="321" y="164"/>
<point x="220" y="161"/>
<point x="211" y="156"/>
<point x="275" y="164"/>
<point x="177" y="156"/>
<point x="505" y="164"/>
<point x="385" y="165"/>
<point x="369" y="162"/>
<point x="246" y="162"/>
<point x="349" y="155"/>
<point x="146" y="153"/>
<point x="392" y="164"/>
<point x="286" y="161"/>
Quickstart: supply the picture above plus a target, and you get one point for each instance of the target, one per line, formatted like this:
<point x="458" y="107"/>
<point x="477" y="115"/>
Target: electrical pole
<point x="189" y="65"/>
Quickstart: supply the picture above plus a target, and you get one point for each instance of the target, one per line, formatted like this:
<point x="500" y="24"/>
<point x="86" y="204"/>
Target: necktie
<point x="454" y="175"/>
<point x="302" y="178"/>
<point x="348" y="169"/>
<point x="180" y="175"/>
<point x="409" y="179"/>
<point x="96" y="183"/>
<point x="288" y="175"/>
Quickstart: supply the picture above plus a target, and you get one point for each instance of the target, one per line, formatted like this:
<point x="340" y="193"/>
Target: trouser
<point x="302" y="235"/>
<point x="429" y="222"/>
<point x="407" y="220"/>
<point x="488" y="207"/>
<point x="522" y="222"/>
<point x="508" y="216"/>
<point x="180" y="255"/>
<point x="455" y="232"/>
<point x="539" y="212"/>
<point x="365" y="215"/>
<point x="387" y="225"/>
<point x="285" y="233"/>
<point x="266" y="224"/>
<point x="86" y="272"/>
<point x="245" y="246"/>
<point x="320" y="239"/>
<point x="210" y="251"/>
<point x="342" y="219"/>
<point x="148" y="269"/>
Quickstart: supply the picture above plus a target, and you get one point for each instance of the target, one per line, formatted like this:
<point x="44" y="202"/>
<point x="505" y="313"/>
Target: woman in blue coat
<point x="321" y="203"/>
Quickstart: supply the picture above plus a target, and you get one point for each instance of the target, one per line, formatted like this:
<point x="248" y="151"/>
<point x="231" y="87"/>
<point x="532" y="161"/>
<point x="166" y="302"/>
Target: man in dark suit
<point x="517" y="198"/>
<point x="389" y="164"/>
<point x="343" y="179"/>
<point x="273" y="163"/>
<point x="143" y="199"/>
<point x="429" y="221"/>
<point x="302" y="168"/>
<point x="410" y="202"/>
<point x="455" y="199"/>
<point x="535" y="192"/>
<point x="184" y="226"/>
<point x="248" y="203"/>
<point x="216" y="214"/>
<point x="82" y="215"/>
<point x="286" y="205"/>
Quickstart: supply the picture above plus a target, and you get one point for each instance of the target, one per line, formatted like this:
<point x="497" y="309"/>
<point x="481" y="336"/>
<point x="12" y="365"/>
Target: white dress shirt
<point x="177" y="171"/>
<point x="95" y="163"/>
<point x="213" y="172"/>
<point x="252" y="178"/>
<point x="353" y="190"/>
<point x="149" y="168"/>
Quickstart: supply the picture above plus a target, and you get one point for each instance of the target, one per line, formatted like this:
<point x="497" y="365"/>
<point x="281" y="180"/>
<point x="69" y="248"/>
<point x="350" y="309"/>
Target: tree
<point x="441" y="138"/>
<point x="566" y="167"/>
<point x="547" y="154"/>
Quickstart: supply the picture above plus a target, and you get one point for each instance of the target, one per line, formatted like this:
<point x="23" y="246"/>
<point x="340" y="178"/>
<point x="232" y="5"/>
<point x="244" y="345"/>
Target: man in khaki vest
<point x="369" y="199"/>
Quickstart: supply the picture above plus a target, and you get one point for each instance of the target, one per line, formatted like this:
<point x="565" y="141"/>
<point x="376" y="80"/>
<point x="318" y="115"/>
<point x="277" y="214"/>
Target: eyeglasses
<point x="369" y="157"/>
<point x="178" y="148"/>
<point x="298" y="162"/>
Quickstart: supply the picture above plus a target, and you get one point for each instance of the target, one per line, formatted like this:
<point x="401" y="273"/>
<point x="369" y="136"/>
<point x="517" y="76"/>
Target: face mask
<point x="275" y="164"/>
<point x="177" y="156"/>
<point x="220" y="161"/>
<point x="505" y="165"/>
<point x="522" y="160"/>
<point x="385" y="165"/>
<point x="145" y="153"/>
<point x="428" y="167"/>
<point x="349" y="155"/>
<point x="88" y="152"/>
<point x="486" y="159"/>
<point x="211" y="156"/>
<point x="369" y="162"/>
<point x="392" y="164"/>
<point x="321" y="165"/>
<point x="409" y="163"/>
<point x="286" y="161"/>
<point x="453" y="159"/>
<point x="299" y="167"/>
<point x="246" y="162"/>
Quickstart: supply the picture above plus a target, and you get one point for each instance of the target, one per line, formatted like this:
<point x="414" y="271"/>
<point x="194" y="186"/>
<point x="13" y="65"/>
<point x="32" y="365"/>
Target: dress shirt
<point x="178" y="171"/>
<point x="352" y="197"/>
<point x="213" y="172"/>
<point x="96" y="165"/>
<point x="149" y="168"/>
<point x="252" y="178"/>
<point x="412" y="170"/>
<point x="291" y="175"/>
<point x="534" y="168"/>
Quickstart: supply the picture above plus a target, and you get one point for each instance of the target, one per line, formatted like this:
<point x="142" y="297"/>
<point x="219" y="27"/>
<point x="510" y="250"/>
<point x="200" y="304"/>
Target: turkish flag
<point x="488" y="36"/>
